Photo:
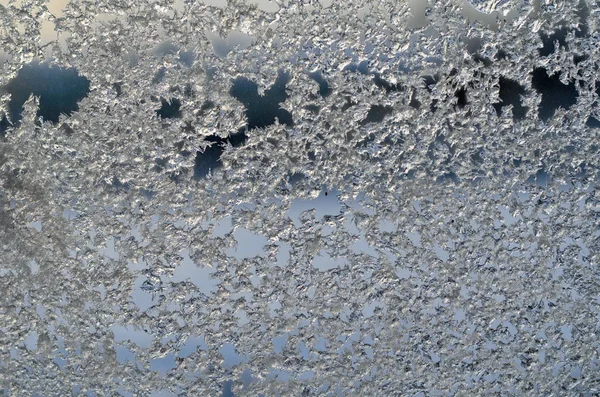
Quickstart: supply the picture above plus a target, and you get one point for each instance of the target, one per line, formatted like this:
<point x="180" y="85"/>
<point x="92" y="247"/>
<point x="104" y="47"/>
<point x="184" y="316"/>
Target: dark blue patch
<point x="120" y="186"/>
<point x="376" y="114"/>
<point x="578" y="58"/>
<point x="159" y="75"/>
<point x="59" y="91"/>
<point x="228" y="389"/>
<point x="118" y="87"/>
<point x="429" y="82"/>
<point x="363" y="67"/>
<point x="548" y="41"/>
<point x="510" y="94"/>
<point x="169" y="109"/>
<point x="448" y="177"/>
<point x="313" y="108"/>
<point x="593" y="122"/>
<point x="261" y="111"/>
<point x="554" y="93"/>
<point x="4" y="125"/>
<point x="561" y="33"/>
<point x="414" y="102"/>
<point x="210" y="158"/>
<point x="324" y="89"/>
<point x="461" y="97"/>
<point x="187" y="58"/>
<point x="386" y="85"/>
<point x="583" y="12"/>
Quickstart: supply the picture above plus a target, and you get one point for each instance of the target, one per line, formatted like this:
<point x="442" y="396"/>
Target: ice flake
<point x="299" y="197"/>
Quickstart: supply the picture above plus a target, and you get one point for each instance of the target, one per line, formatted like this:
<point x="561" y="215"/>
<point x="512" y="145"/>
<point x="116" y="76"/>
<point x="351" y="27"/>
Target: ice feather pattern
<point x="284" y="197"/>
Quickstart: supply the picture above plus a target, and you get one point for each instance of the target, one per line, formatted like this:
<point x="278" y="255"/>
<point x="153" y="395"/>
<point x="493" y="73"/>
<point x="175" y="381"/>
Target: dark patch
<point x="324" y="89"/>
<point x="180" y="145"/>
<point x="370" y="138"/>
<point x="59" y="91"/>
<point x="228" y="389"/>
<point x="188" y="90"/>
<point x="261" y="110"/>
<point x="148" y="194"/>
<point x="187" y="58"/>
<point x="4" y="125"/>
<point x="349" y="135"/>
<point x="461" y="97"/>
<point x="159" y="75"/>
<point x="296" y="177"/>
<point x="598" y="88"/>
<point x="414" y="102"/>
<point x="120" y="186"/>
<point x="476" y="157"/>
<point x="376" y="114"/>
<point x="386" y="85"/>
<point x="210" y="159"/>
<point x="118" y="87"/>
<point x="393" y="139"/>
<point x="66" y="128"/>
<point x="582" y="170"/>
<point x="437" y="61"/>
<point x="510" y="94"/>
<point x="165" y="48"/>
<point x="160" y="164"/>
<point x="349" y="103"/>
<point x="207" y="105"/>
<point x="313" y="108"/>
<point x="352" y="67"/>
<point x="363" y="67"/>
<point x="554" y="93"/>
<point x="238" y="139"/>
<point x="592" y="122"/>
<point x="548" y="41"/>
<point x="501" y="55"/>
<point x="447" y="177"/>
<point x="577" y="59"/>
<point x="429" y="82"/>
<point x="583" y="12"/>
<point x="473" y="47"/>
<point x="169" y="109"/>
<point x="487" y="62"/>
<point x="561" y="33"/>
<point x="541" y="178"/>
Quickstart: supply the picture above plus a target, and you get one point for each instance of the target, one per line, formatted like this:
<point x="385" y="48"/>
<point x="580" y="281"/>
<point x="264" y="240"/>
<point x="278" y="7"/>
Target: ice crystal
<point x="283" y="197"/>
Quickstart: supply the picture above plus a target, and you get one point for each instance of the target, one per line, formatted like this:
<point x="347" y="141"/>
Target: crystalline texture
<point x="299" y="198"/>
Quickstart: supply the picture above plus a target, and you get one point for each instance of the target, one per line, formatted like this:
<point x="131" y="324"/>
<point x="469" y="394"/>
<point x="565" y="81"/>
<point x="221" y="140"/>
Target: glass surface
<point x="299" y="198"/>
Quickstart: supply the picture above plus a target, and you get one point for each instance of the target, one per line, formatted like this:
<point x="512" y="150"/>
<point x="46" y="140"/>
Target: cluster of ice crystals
<point x="299" y="197"/>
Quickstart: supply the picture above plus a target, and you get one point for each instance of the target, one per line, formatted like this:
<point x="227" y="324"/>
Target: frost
<point x="299" y="197"/>
<point x="59" y="91"/>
